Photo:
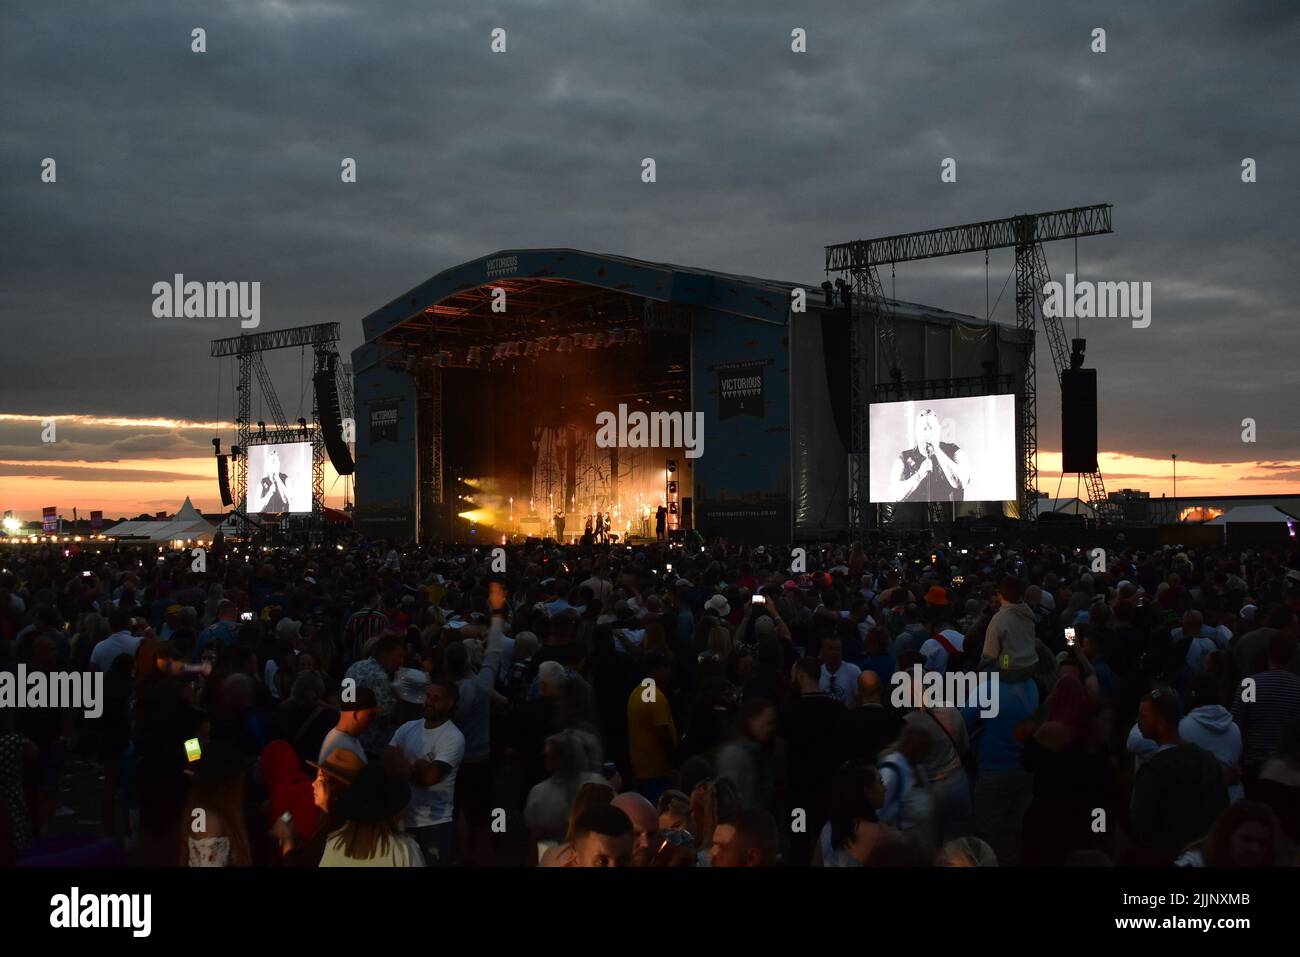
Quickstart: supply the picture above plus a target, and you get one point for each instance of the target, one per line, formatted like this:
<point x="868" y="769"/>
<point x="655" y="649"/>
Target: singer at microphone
<point x="930" y="471"/>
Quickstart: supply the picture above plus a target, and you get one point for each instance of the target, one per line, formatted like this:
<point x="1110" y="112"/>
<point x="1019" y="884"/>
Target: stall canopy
<point x="1062" y="506"/>
<point x="187" y="523"/>
<point x="1253" y="515"/>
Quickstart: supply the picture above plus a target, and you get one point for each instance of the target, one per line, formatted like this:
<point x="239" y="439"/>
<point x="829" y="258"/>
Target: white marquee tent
<point x="186" y="524"/>
<point x="1253" y="515"/>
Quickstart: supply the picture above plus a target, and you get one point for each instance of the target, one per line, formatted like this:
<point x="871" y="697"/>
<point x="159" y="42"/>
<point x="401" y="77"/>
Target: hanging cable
<point x="1004" y="288"/>
<point x="1076" y="279"/>
<point x="987" y="318"/>
<point x="893" y="285"/>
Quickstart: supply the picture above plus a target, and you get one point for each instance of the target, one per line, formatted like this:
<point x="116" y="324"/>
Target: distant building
<point x="1128" y="495"/>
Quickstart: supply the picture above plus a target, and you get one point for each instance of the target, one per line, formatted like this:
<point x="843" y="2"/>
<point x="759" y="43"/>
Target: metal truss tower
<point x="248" y="350"/>
<point x="1025" y="234"/>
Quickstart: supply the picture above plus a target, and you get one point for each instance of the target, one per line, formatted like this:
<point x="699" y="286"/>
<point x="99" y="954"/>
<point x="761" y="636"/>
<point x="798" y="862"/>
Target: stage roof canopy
<point x="562" y="291"/>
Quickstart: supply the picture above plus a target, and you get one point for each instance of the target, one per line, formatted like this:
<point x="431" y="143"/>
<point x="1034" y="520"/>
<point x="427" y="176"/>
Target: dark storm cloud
<point x="78" y="442"/>
<point x="225" y="166"/>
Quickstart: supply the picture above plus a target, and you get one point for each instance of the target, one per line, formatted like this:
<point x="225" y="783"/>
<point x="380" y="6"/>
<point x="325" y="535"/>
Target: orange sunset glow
<point x="118" y="485"/>
<point x="125" y="487"/>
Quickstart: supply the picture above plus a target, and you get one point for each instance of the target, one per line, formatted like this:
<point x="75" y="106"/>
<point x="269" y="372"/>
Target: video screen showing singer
<point x="270" y="492"/>
<point x="930" y="471"/>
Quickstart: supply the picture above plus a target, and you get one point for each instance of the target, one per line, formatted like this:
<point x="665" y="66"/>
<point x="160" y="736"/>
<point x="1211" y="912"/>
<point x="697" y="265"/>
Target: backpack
<point x="915" y="808"/>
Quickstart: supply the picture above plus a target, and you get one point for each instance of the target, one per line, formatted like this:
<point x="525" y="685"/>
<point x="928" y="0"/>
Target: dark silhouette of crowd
<point x="372" y="704"/>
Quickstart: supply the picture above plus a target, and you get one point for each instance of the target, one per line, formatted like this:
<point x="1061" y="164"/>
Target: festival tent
<point x="1062" y="506"/>
<point x="186" y="525"/>
<point x="1253" y="515"/>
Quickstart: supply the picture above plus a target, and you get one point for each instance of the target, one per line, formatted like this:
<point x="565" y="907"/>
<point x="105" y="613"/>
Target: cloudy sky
<point x="225" y="166"/>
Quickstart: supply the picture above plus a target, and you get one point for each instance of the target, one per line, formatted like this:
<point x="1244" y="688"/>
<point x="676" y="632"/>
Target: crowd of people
<point x="685" y="704"/>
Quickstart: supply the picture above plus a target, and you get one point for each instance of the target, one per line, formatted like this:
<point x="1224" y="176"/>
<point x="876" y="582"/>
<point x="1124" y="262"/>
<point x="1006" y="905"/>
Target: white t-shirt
<point x="119" y="643"/>
<point x="844" y="688"/>
<point x="340" y="740"/>
<point x="445" y="743"/>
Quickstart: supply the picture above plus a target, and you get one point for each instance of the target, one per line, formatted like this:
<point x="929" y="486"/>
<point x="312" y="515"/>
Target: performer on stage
<point x="661" y="522"/>
<point x="600" y="527"/>
<point x="559" y="526"/>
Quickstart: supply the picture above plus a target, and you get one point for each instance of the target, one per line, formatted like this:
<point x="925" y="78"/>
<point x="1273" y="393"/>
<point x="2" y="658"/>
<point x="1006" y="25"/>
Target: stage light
<point x="11" y="524"/>
<point x="672" y="466"/>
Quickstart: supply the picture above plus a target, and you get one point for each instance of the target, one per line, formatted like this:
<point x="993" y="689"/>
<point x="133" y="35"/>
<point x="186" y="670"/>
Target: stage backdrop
<point x="740" y="380"/>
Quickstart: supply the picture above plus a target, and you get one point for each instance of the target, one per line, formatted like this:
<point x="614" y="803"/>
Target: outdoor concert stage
<point x="478" y="391"/>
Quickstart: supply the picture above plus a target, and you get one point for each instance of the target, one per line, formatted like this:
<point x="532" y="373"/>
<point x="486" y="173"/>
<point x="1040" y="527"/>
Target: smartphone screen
<point x="758" y="600"/>
<point x="1069" y="637"/>
<point x="192" y="750"/>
